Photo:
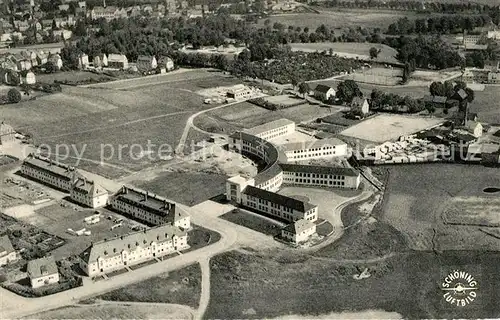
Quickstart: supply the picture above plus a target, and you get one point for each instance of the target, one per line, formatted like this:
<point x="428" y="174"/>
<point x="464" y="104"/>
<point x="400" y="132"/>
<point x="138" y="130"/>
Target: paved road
<point x="14" y="306"/>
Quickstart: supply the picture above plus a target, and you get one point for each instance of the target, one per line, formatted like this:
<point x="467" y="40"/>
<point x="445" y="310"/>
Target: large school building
<point x="320" y="176"/>
<point x="314" y="149"/>
<point x="274" y="129"/>
<point x="149" y="208"/>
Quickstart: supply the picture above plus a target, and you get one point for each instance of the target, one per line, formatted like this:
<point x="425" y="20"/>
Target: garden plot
<point x="383" y="128"/>
<point x="474" y="211"/>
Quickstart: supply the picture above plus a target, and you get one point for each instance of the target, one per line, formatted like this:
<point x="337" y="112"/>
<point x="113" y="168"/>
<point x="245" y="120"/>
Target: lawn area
<point x="417" y="195"/>
<point x="181" y="286"/>
<point x="184" y="187"/>
<point x="200" y="237"/>
<point x="486" y="104"/>
<point x="114" y="311"/>
<point x="350" y="50"/>
<point x="289" y="283"/>
<point x="253" y="221"/>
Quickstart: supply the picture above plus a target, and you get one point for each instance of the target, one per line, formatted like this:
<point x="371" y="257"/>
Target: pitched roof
<point x="276" y="198"/>
<point x="340" y="171"/>
<point x="115" y="246"/>
<point x="299" y="226"/>
<point x="311" y="144"/>
<point x="6" y="129"/>
<point x="471" y="116"/>
<point x="358" y="101"/>
<point x="112" y="57"/>
<point x="88" y="187"/>
<point x="461" y="94"/>
<point x="56" y="168"/>
<point x="322" y="88"/>
<point x="471" y="125"/>
<point x="6" y="245"/>
<point x="269" y="126"/>
<point x="42" y="267"/>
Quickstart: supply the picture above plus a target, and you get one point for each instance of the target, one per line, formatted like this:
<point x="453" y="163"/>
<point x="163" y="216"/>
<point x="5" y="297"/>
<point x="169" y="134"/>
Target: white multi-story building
<point x="121" y="252"/>
<point x="42" y="272"/>
<point x="7" y="252"/>
<point x="274" y="129"/>
<point x="239" y="92"/>
<point x="314" y="149"/>
<point x="89" y="193"/>
<point x="51" y="172"/>
<point x="299" y="231"/>
<point x="321" y="176"/>
<point x="149" y="208"/>
<point x="277" y="205"/>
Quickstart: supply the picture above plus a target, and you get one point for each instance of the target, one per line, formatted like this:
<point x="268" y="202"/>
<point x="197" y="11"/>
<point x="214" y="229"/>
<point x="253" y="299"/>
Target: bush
<point x="14" y="96"/>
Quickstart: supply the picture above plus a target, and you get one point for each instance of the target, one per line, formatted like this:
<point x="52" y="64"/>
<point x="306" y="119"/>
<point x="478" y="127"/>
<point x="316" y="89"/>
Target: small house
<point x="436" y="101"/>
<point x="41" y="58"/>
<point x="299" y="231"/>
<point x="100" y="61"/>
<point x="83" y="61"/>
<point x="89" y="193"/>
<point x="323" y="92"/>
<point x="7" y="252"/>
<point x="474" y="128"/>
<point x="56" y="60"/>
<point x="7" y="134"/>
<point x="460" y="95"/>
<point x="28" y="77"/>
<point x="42" y="272"/>
<point x="360" y="106"/>
<point x="166" y="63"/>
<point x="117" y="61"/>
<point x="146" y="63"/>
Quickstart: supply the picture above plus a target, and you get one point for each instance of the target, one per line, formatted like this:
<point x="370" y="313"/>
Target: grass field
<point x="181" y="286"/>
<point x="253" y="221"/>
<point x="417" y="195"/>
<point x="350" y="50"/>
<point x="76" y="76"/>
<point x="278" y="284"/>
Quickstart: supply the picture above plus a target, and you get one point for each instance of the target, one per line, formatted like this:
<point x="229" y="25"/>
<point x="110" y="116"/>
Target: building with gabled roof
<point x="128" y="250"/>
<point x="474" y="128"/>
<point x="89" y="193"/>
<point x="360" y="106"/>
<point x="146" y="63"/>
<point x="7" y="252"/>
<point x="42" y="272"/>
<point x="51" y="172"/>
<point x="299" y="231"/>
<point x="149" y="208"/>
<point x="7" y="134"/>
<point x="324" y="92"/>
<point x="100" y="61"/>
<point x="117" y="61"/>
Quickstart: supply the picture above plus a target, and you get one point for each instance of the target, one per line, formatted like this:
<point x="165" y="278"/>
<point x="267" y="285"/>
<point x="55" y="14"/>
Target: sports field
<point x="385" y="127"/>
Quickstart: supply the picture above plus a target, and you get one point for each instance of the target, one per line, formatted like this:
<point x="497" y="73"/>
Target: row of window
<point x="315" y="149"/>
<point x="319" y="175"/>
<point x="319" y="182"/>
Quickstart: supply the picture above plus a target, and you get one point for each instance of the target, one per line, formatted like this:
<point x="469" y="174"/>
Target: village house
<point x="56" y="60"/>
<point x="149" y="208"/>
<point x="100" y="61"/>
<point x="166" y="63"/>
<point x="21" y="62"/>
<point x="41" y="58"/>
<point x="129" y="250"/>
<point x="27" y="77"/>
<point x="7" y="134"/>
<point x="299" y="231"/>
<point x="89" y="193"/>
<point x="323" y="92"/>
<point x="42" y="272"/>
<point x="30" y="56"/>
<point x="63" y="34"/>
<point x="7" y="252"/>
<point x="474" y="128"/>
<point x="83" y="61"/>
<point x="10" y="77"/>
<point x="108" y="13"/>
<point x="21" y="26"/>
<point x="51" y="172"/>
<point x="117" y="61"/>
<point x="360" y="106"/>
<point x="146" y="63"/>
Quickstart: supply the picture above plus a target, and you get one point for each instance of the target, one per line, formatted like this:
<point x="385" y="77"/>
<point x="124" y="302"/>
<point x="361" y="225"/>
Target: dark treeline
<point x="440" y="25"/>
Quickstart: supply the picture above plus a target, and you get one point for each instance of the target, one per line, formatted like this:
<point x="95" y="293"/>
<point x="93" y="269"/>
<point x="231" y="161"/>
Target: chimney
<point x="146" y="196"/>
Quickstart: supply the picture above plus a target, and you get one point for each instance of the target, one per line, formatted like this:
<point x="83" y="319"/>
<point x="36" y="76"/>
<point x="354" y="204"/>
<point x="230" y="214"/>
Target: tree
<point x="348" y="90"/>
<point x="304" y="88"/>
<point x="374" y="52"/>
<point x="14" y="96"/>
<point x="295" y="82"/>
<point x="470" y="94"/>
<point x="50" y="67"/>
<point x="437" y="89"/>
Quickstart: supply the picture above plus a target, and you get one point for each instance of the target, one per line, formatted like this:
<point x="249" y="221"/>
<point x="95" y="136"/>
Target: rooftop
<point x="42" y="267"/>
<point x="276" y="198"/>
<point x="341" y="171"/>
<point x="88" y="187"/>
<point x="299" y="226"/>
<point x="311" y="144"/>
<point x="5" y="245"/>
<point x="115" y="246"/>
<point x="54" y="167"/>
<point x="322" y="88"/>
<point x="269" y="126"/>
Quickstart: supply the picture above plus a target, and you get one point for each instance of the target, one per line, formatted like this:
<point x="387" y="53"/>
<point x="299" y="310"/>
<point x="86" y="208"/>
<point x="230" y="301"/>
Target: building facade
<point x="298" y="232"/>
<point x="7" y="252"/>
<point x="125" y="251"/>
<point x="149" y="208"/>
<point x="42" y="272"/>
<point x="7" y="134"/>
<point x="146" y="63"/>
<point x="315" y="149"/>
<point x="274" y="129"/>
<point x="117" y="61"/>
<point x="51" y="172"/>
<point x="89" y="193"/>
<point x="321" y="176"/>
<point x="323" y="92"/>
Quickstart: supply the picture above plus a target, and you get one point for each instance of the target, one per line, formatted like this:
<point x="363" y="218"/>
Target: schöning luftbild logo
<point x="460" y="288"/>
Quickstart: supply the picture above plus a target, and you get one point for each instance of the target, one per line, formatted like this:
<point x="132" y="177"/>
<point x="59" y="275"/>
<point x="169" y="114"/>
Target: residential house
<point x="56" y="60"/>
<point x="7" y="252"/>
<point x="89" y="193"/>
<point x="131" y="249"/>
<point x="31" y="56"/>
<point x="323" y="92"/>
<point x="474" y="128"/>
<point x="107" y="13"/>
<point x="166" y="63"/>
<point x="7" y="134"/>
<point x="117" y="61"/>
<point x="146" y="63"/>
<point x="63" y="7"/>
<point x="21" y="62"/>
<point x="28" y="77"/>
<point x="21" y="26"/>
<point x="83" y="61"/>
<point x="82" y="4"/>
<point x="239" y="93"/>
<point x="100" y="61"/>
<point x="41" y="58"/>
<point x="149" y="208"/>
<point x="50" y="172"/>
<point x="299" y="231"/>
<point x="42" y="272"/>
<point x="10" y="77"/>
<point x="63" y="34"/>
<point x="471" y="39"/>
<point x="436" y="101"/>
<point x="360" y="106"/>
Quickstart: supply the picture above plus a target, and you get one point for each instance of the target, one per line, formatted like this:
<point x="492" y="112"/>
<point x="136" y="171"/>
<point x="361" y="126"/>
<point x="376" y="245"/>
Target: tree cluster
<point x="389" y="102"/>
<point x="439" y="25"/>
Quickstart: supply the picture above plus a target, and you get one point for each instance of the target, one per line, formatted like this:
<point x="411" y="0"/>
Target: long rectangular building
<point x="128" y="250"/>
<point x="149" y="208"/>
<point x="273" y="129"/>
<point x="322" y="176"/>
<point x="51" y="172"/>
<point x="314" y="149"/>
<point x="277" y="205"/>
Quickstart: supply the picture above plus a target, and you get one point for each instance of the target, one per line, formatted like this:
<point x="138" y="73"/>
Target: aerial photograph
<point x="249" y="159"/>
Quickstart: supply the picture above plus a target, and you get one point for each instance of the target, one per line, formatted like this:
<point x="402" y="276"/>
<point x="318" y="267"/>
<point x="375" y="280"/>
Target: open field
<point x="418" y="195"/>
<point x="114" y="124"/>
<point x="350" y="50"/>
<point x="486" y="104"/>
<point x="254" y="221"/>
<point x="114" y="311"/>
<point x="181" y="286"/>
<point x="302" y="285"/>
<point x="481" y="211"/>
<point x="385" y="127"/>
<point x="286" y="100"/>
<point x="74" y="76"/>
